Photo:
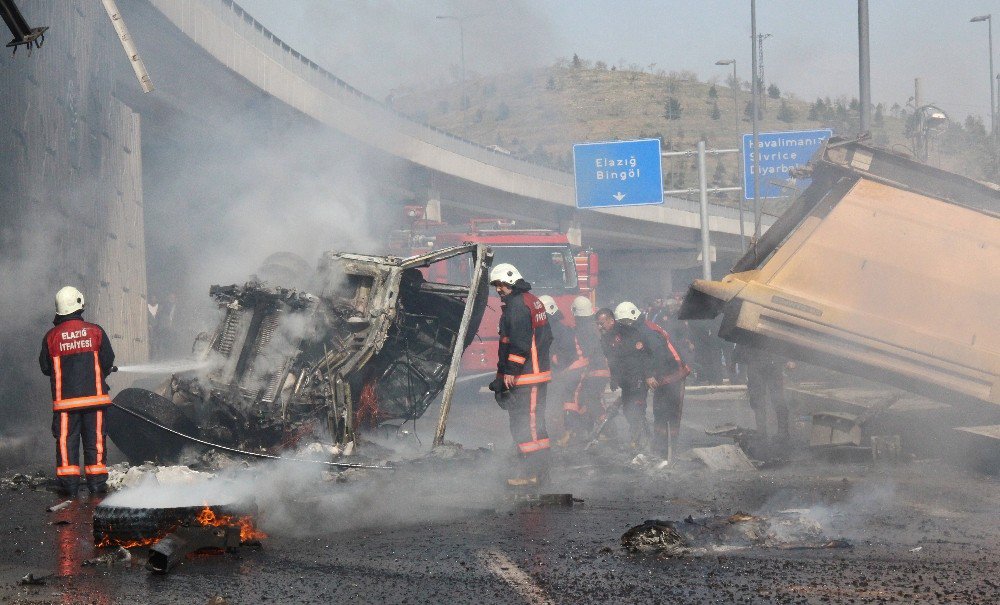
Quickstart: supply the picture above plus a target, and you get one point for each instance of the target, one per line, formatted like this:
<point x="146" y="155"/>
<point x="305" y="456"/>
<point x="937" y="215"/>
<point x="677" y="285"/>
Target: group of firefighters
<point x="537" y="350"/>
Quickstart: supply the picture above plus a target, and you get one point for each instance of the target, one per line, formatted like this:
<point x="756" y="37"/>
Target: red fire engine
<point x="547" y="259"/>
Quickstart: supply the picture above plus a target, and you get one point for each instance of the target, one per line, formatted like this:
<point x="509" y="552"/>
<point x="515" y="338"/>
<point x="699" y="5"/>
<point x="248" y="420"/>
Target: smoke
<point x="378" y="45"/>
<point x="296" y="499"/>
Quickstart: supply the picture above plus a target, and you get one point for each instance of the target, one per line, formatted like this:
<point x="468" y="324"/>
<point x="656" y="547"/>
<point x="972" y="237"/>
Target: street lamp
<point x="461" y="36"/>
<point x="739" y="140"/>
<point x="993" y="102"/>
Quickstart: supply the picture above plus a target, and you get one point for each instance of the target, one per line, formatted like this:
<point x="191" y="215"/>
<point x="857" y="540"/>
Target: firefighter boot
<point x="68" y="486"/>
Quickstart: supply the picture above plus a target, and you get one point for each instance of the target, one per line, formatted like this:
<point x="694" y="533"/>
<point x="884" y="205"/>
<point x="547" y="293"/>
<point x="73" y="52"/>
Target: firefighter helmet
<point x="550" y="304"/>
<point x="627" y="311"/>
<point x="582" y="307"/>
<point x="504" y="273"/>
<point x="68" y="300"/>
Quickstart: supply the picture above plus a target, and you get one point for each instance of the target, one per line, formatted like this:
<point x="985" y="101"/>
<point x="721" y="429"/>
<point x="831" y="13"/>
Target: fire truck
<point x="550" y="261"/>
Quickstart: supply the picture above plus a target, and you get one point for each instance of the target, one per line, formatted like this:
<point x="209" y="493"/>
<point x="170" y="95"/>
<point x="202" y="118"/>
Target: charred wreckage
<point x="378" y="343"/>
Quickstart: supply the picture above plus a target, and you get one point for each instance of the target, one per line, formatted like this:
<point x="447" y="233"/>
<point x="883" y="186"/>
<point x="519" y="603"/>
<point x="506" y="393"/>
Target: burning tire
<point x="125" y="525"/>
<point x="141" y="441"/>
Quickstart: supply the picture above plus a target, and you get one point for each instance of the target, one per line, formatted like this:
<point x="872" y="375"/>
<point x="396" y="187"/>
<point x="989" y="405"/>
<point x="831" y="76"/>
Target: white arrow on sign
<point x="619" y="196"/>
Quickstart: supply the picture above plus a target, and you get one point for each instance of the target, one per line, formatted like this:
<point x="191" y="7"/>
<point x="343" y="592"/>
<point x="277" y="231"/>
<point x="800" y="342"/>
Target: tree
<point x="577" y="63"/>
<point x="787" y="113"/>
<point x="879" y="114"/>
<point x="503" y="112"/>
<point x="773" y="91"/>
<point x="855" y="105"/>
<point x="816" y="110"/>
<point x="672" y="109"/>
<point x="713" y="93"/>
<point x="719" y="176"/>
<point x="601" y="65"/>
<point x="714" y="113"/>
<point x="748" y="111"/>
<point x="551" y="83"/>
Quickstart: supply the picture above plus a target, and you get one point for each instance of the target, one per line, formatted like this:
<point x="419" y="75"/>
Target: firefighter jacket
<point x="77" y="356"/>
<point x="632" y="355"/>
<point x="525" y="337"/>
<point x="589" y="340"/>
<point x="564" y="350"/>
<point x="668" y="365"/>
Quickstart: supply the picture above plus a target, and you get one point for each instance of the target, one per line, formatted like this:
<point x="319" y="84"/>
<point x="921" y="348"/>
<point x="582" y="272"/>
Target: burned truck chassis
<point x="284" y="365"/>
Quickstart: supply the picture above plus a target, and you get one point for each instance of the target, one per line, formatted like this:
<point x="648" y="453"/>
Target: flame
<point x="248" y="532"/>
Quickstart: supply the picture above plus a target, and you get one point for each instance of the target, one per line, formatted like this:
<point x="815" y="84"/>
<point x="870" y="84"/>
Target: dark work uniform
<point x="765" y="387"/>
<point x="525" y="341"/>
<point x="668" y="396"/>
<point x="77" y="356"/>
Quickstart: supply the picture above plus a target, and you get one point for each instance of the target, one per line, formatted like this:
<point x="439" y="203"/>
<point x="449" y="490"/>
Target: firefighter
<point x="590" y="388"/>
<point x="77" y="356"/>
<point x="670" y="374"/>
<point x="645" y="360"/>
<point x="523" y="372"/>
<point x="568" y="366"/>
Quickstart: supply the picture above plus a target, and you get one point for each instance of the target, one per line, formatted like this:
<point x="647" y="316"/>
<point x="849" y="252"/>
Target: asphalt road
<point x="445" y="531"/>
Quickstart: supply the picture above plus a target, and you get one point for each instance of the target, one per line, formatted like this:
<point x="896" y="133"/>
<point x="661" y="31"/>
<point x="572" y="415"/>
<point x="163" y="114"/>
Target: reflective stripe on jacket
<point x="77" y="356"/>
<point x="525" y="339"/>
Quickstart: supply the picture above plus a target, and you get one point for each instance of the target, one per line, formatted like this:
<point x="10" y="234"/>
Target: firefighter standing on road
<point x="586" y="404"/>
<point x="77" y="356"/>
<point x="523" y="371"/>
<point x="645" y="360"/>
<point x="568" y="365"/>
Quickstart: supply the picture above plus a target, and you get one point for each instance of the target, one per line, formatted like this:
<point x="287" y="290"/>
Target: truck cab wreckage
<point x="379" y="342"/>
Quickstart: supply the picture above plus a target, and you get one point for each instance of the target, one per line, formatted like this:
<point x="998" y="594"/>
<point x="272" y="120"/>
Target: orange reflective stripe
<point x="533" y="446"/>
<point x="516" y="359"/>
<point x="534" y="354"/>
<point x="505" y="339"/>
<point x="599" y="373"/>
<point x="100" y="440"/>
<point x="98" y="388"/>
<point x="57" y="365"/>
<point x="96" y="469"/>
<point x="538" y="378"/>
<point x="63" y="471"/>
<point x="532" y="418"/>
<point x="80" y="402"/>
<point x="581" y="362"/>
<point x="675" y="376"/>
<point x="63" y="434"/>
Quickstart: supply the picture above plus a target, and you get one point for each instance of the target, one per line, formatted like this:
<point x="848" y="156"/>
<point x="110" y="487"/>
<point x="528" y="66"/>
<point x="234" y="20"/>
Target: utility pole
<point x="919" y="143"/>
<point x="755" y="151"/>
<point x="864" y="68"/>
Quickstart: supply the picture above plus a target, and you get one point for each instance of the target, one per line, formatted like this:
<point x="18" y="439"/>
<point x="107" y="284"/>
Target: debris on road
<point x="785" y="530"/>
<point x="120" y="555"/>
<point x="58" y="507"/>
<point x="32" y="580"/>
<point x="724" y="458"/>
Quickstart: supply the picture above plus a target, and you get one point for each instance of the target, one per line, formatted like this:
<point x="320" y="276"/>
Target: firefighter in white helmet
<point x="523" y="372"/>
<point x="77" y="356"/>
<point x="645" y="359"/>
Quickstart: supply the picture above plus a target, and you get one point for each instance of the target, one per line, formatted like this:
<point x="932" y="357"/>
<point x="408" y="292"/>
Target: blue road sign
<point x="779" y="153"/>
<point x="620" y="173"/>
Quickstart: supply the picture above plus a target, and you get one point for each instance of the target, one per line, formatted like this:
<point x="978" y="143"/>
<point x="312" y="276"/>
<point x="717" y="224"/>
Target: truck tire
<point x="141" y="441"/>
<point x="125" y="525"/>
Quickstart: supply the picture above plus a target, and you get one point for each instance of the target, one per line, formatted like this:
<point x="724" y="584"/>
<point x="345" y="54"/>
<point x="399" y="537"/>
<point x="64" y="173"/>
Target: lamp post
<point x="993" y="103"/>
<point x="755" y="98"/>
<point x="739" y="140"/>
<point x="460" y="19"/>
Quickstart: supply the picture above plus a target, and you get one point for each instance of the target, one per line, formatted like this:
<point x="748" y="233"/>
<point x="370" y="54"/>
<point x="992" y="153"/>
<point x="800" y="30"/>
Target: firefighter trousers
<point x="526" y="409"/>
<point x="668" y="403"/>
<point x="69" y="428"/>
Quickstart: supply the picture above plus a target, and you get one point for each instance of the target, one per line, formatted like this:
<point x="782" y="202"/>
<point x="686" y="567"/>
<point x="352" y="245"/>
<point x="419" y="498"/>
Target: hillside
<point x="538" y="115"/>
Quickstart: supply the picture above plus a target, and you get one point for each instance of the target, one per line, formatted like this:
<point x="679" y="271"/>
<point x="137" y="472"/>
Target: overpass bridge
<point x="468" y="178"/>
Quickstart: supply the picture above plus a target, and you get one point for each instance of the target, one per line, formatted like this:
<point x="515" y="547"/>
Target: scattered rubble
<point x="20" y="482"/>
<point x="109" y="559"/>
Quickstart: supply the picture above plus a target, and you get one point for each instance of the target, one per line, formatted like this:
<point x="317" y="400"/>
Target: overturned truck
<point x="884" y="268"/>
<point x="376" y="342"/>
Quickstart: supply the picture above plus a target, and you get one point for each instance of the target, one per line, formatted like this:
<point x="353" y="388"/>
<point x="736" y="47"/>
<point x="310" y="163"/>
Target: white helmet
<point x="68" y="300"/>
<point x="627" y="310"/>
<point x="582" y="307"/>
<point x="504" y="273"/>
<point x="550" y="304"/>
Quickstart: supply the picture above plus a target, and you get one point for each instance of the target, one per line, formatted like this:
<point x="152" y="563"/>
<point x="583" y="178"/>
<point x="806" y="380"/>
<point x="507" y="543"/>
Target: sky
<point x="380" y="45"/>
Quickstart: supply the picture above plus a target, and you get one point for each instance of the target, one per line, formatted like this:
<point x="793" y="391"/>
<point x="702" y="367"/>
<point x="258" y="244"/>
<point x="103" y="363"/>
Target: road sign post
<point x="619" y="173"/>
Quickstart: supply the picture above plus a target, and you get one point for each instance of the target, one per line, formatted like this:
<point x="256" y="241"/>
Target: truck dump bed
<point x="884" y="267"/>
